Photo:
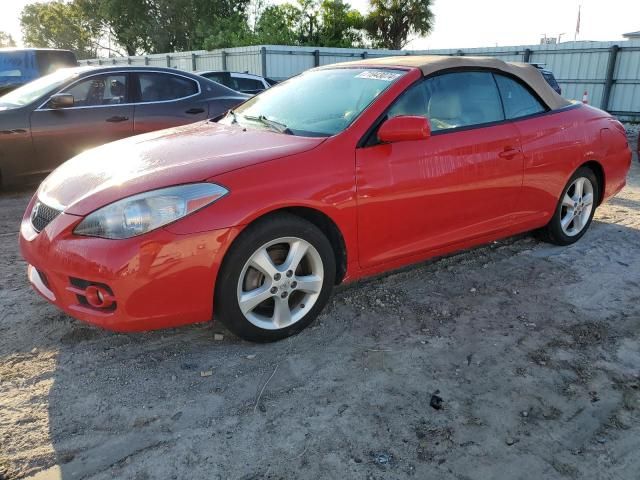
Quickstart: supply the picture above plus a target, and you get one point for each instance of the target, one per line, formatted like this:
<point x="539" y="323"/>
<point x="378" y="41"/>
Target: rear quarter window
<point x="242" y="83"/>
<point x="161" y="87"/>
<point x="517" y="99"/>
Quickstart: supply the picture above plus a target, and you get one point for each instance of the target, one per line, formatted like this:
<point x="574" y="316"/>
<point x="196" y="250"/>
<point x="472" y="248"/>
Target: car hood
<point x="159" y="159"/>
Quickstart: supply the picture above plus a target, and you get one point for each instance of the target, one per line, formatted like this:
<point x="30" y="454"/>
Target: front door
<point x="101" y="114"/>
<point x="462" y="182"/>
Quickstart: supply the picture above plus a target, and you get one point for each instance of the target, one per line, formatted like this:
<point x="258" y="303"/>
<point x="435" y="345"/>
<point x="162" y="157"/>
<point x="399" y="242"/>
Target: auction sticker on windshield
<point x="379" y="75"/>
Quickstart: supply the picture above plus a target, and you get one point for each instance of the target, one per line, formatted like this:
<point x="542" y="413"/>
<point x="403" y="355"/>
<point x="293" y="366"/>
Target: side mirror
<point x="404" y="128"/>
<point x="61" y="100"/>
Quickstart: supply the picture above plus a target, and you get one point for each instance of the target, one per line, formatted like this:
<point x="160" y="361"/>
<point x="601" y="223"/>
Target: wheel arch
<point x="321" y="220"/>
<point x="326" y="224"/>
<point x="596" y="167"/>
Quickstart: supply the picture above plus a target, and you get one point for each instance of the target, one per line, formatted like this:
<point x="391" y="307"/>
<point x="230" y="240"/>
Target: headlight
<point x="147" y="211"/>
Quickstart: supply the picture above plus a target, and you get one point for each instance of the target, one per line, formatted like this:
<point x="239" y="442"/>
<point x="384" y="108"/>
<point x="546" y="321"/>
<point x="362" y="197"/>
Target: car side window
<point x="221" y="78"/>
<point x="412" y="102"/>
<point x="452" y="100"/>
<point x="159" y="87"/>
<point x="517" y="100"/>
<point x="99" y="90"/>
<point x="242" y="83"/>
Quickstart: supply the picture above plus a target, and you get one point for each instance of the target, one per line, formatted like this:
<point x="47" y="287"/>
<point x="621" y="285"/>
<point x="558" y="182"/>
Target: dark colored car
<point x="551" y="80"/>
<point x="58" y="116"/>
<point x="240" y="82"/>
<point x="549" y="77"/>
<point x="20" y="66"/>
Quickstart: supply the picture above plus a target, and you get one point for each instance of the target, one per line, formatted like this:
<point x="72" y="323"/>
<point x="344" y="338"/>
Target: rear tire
<point x="575" y="209"/>
<point x="275" y="279"/>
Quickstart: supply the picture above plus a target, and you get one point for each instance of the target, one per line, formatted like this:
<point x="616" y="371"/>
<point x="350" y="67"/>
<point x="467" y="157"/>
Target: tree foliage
<point x="330" y="23"/>
<point x="156" y="26"/>
<point x="6" y="40"/>
<point x="392" y="22"/>
<point x="60" y="24"/>
<point x="135" y="27"/>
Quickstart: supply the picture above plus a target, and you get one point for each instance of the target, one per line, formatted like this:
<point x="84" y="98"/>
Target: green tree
<point x="331" y="23"/>
<point x="279" y="25"/>
<point x="60" y="24"/>
<point x="6" y="40"/>
<point x="158" y="26"/>
<point x="126" y="21"/>
<point x="341" y="26"/>
<point x="391" y="22"/>
<point x="229" y="32"/>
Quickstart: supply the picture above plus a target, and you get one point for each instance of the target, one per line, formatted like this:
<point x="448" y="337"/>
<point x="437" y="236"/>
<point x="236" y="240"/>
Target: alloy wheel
<point x="576" y="207"/>
<point x="280" y="283"/>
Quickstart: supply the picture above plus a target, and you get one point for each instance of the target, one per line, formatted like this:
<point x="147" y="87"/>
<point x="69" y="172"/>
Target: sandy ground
<point x="534" y="350"/>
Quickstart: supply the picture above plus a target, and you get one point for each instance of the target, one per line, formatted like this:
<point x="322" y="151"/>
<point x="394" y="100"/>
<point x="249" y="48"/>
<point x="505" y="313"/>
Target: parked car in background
<point x="22" y="65"/>
<point x="54" y="118"/>
<point x="549" y="77"/>
<point x="240" y="82"/>
<point x="339" y="173"/>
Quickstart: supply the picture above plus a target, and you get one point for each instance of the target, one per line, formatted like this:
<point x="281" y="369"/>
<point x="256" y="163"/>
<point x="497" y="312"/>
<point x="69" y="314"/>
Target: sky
<point x="482" y="23"/>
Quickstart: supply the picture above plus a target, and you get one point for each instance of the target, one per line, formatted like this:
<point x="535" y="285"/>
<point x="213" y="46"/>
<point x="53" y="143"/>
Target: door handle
<point x="117" y="119"/>
<point x="195" y="111"/>
<point x="9" y="132"/>
<point x="509" y="153"/>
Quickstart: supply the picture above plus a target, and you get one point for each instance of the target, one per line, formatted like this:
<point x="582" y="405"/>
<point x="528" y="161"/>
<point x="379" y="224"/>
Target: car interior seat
<point x="445" y="110"/>
<point x="118" y="92"/>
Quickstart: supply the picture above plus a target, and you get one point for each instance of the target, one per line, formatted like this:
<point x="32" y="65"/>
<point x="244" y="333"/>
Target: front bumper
<point x="158" y="280"/>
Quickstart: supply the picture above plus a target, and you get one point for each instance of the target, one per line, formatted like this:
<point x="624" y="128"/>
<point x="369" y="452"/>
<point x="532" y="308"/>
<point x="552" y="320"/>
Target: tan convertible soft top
<point x="433" y="63"/>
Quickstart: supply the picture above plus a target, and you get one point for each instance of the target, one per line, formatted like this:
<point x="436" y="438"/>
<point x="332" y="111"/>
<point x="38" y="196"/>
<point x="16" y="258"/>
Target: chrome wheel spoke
<point x="567" y="219"/>
<point x="587" y="199"/>
<point x="262" y="261"/>
<point x="579" y="188"/>
<point x="584" y="218"/>
<point x="577" y="222"/>
<point x="297" y="251"/>
<point x="567" y="201"/>
<point x="250" y="300"/>
<point x="309" y="284"/>
<point x="281" y="312"/>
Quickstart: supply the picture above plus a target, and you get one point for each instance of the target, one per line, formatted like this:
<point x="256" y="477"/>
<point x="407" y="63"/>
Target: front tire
<point x="575" y="209"/>
<point x="275" y="279"/>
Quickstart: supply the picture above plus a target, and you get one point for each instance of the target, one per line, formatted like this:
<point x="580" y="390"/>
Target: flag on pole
<point x="578" y="24"/>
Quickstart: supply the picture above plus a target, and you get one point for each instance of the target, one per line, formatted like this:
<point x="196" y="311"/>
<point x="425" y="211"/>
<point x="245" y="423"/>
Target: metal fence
<point x="608" y="71"/>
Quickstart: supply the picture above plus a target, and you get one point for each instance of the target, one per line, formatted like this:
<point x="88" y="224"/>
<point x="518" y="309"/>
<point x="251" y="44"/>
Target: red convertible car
<point x="341" y="172"/>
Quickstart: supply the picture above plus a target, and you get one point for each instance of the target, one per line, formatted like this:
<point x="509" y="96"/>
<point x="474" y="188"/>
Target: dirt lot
<point x="534" y="350"/>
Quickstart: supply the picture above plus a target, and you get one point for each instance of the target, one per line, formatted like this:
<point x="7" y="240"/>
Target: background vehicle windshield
<point x="317" y="103"/>
<point x="36" y="89"/>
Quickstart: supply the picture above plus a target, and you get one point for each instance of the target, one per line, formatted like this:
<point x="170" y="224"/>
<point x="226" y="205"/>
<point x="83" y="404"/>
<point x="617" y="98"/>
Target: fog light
<point x="98" y="297"/>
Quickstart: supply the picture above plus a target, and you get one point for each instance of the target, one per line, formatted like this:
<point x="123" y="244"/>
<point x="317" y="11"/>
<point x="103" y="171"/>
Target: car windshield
<point x="316" y="103"/>
<point x="33" y="90"/>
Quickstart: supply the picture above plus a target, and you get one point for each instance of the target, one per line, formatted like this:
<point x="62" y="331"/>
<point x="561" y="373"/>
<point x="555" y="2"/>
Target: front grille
<point x="42" y="215"/>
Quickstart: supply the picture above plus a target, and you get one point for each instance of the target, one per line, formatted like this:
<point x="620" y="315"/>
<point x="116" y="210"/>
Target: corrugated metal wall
<point x="598" y="68"/>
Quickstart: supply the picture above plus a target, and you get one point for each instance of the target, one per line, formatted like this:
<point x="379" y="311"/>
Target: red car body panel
<point x="179" y="155"/>
<point x="162" y="281"/>
<point x="393" y="204"/>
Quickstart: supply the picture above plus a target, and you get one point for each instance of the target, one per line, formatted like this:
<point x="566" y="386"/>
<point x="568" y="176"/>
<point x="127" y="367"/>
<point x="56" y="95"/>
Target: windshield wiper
<point x="272" y="124"/>
<point x="233" y="116"/>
